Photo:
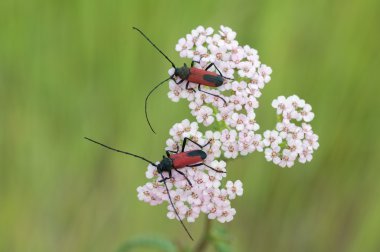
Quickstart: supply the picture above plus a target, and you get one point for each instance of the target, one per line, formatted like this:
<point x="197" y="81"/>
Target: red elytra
<point x="183" y="159"/>
<point x="204" y="77"/>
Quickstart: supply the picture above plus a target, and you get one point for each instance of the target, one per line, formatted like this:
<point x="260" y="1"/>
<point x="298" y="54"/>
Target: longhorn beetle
<point x="176" y="161"/>
<point x="192" y="74"/>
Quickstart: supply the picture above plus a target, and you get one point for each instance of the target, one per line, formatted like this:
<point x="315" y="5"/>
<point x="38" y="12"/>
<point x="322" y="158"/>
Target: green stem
<point x="202" y="245"/>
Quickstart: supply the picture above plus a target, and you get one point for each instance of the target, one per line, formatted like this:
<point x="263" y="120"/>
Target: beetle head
<point x="166" y="164"/>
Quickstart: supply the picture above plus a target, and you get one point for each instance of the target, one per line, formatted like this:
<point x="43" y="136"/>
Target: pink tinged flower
<point x="295" y="102"/>
<point x="225" y="68"/>
<point x="285" y="128"/>
<point x="295" y="146"/>
<point x="306" y="154"/>
<point x="208" y="58"/>
<point x="258" y="81"/>
<point x="246" y="145"/>
<point x="252" y="55"/>
<point x="183" y="129"/>
<point x="194" y="108"/>
<point x="234" y="188"/>
<point x="214" y="151"/>
<point x="271" y="138"/>
<point x="228" y="135"/>
<point x="213" y="135"/>
<point x="227" y="32"/>
<point x="273" y="154"/>
<point x="194" y="199"/>
<point x="217" y="102"/>
<point x="246" y="69"/>
<point x="307" y="129"/>
<point x="200" y="97"/>
<point x="213" y="180"/>
<point x="181" y="209"/>
<point x="192" y="214"/>
<point x="230" y="149"/>
<point x="294" y="133"/>
<point x="226" y="215"/>
<point x="171" y="144"/>
<point x="251" y="103"/>
<point x="257" y="143"/>
<point x="237" y="101"/>
<point x="175" y="92"/>
<point x="204" y="31"/>
<point x="222" y="56"/>
<point x="253" y="90"/>
<point x="265" y="72"/>
<point x="205" y="116"/>
<point x="281" y="104"/>
<point x="237" y="53"/>
<point x="151" y="172"/>
<point x="312" y="141"/>
<point x="291" y="114"/>
<point x="220" y="166"/>
<point x="251" y="123"/>
<point x="213" y="211"/>
<point x="225" y="113"/>
<point x="306" y="113"/>
<point x="184" y="47"/>
<point x="288" y="158"/>
<point x="238" y="121"/>
<point x="245" y="148"/>
<point x="199" y="51"/>
<point x="239" y="87"/>
<point x="188" y="94"/>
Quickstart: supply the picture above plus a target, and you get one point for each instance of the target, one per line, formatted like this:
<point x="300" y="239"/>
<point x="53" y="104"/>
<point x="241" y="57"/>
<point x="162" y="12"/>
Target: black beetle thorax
<point x="182" y="72"/>
<point x="166" y="164"/>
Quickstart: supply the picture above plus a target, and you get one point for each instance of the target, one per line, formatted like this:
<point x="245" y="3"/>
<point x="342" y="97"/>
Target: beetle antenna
<point x="124" y="152"/>
<point x="175" y="211"/>
<point x="146" y="101"/>
<point x="150" y="41"/>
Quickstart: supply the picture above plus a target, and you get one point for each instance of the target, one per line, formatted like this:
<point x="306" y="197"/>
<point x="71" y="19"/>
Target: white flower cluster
<point x="235" y="62"/>
<point x="234" y="123"/>
<point x="205" y="195"/>
<point x="293" y="137"/>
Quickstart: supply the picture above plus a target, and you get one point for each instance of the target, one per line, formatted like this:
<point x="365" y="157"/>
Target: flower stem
<point x="203" y="242"/>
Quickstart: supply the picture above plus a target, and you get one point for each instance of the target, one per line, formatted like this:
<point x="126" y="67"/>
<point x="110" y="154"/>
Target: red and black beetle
<point x="176" y="161"/>
<point x="202" y="77"/>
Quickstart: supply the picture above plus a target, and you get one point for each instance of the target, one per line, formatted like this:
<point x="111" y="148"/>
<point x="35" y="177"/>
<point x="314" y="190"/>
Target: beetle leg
<point x="217" y="69"/>
<point x="213" y="168"/>
<point x="199" y="89"/>
<point x="183" y="174"/>
<point x="194" y="61"/>
<point x="163" y="180"/>
<point x="187" y="87"/>
<point x="179" y="82"/>
<point x="184" y="143"/>
<point x="195" y="165"/>
<point x="166" y="178"/>
<point x="170" y="151"/>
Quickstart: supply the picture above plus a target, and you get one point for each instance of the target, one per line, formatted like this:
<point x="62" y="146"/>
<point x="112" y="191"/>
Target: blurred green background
<point x="70" y="69"/>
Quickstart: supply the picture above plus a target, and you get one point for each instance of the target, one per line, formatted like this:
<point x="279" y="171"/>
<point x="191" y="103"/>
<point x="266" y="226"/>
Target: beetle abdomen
<point x="195" y="153"/>
<point x="186" y="158"/>
<point x="217" y="80"/>
<point x="205" y="78"/>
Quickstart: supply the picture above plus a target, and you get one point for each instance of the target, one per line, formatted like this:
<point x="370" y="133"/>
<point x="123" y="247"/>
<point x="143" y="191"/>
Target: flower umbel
<point x="206" y="193"/>
<point x="229" y="112"/>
